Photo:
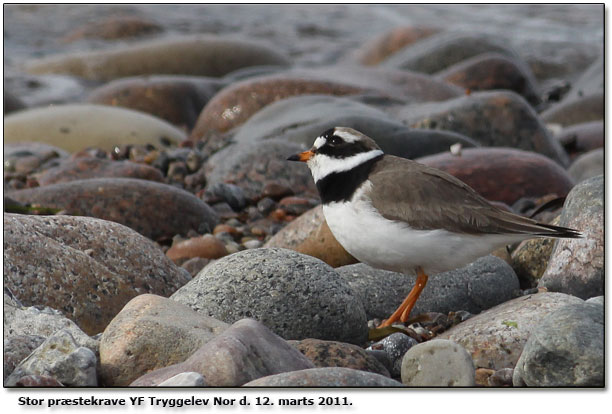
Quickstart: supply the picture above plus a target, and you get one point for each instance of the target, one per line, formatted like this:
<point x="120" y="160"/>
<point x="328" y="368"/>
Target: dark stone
<point x="115" y="27"/>
<point x="12" y="103"/>
<point x="495" y="118"/>
<point x="583" y="137"/>
<point x="154" y="210"/>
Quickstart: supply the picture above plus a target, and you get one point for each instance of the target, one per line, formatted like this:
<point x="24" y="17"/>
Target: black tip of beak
<point x="294" y="157"/>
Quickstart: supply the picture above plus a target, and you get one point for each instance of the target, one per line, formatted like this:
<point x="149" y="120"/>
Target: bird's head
<point x="336" y="150"/>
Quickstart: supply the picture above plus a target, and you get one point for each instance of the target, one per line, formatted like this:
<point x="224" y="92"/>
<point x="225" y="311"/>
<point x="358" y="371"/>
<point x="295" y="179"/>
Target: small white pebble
<point x="252" y="244"/>
<point x="455" y="149"/>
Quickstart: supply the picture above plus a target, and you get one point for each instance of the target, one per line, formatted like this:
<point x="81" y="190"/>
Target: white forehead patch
<point x="319" y="142"/>
<point x="346" y="135"/>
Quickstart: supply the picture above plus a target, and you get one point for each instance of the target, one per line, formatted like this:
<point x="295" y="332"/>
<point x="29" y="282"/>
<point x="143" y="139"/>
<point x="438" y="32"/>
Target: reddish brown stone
<point x="177" y="99"/>
<point x="378" y="49"/>
<point x="207" y="247"/>
<point x="117" y="27"/>
<point x="493" y="71"/>
<point x="82" y="168"/>
<point x="233" y="105"/>
<point x="154" y="210"/>
<point x="504" y="174"/>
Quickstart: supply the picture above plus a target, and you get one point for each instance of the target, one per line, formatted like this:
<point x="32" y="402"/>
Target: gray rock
<point x="295" y="295"/>
<point x="59" y="357"/>
<point x="158" y="331"/>
<point x="495" y="338"/>
<point x="590" y="82"/>
<point x="576" y="110"/>
<point x="244" y="352"/>
<point x="86" y="268"/>
<point x="438" y="363"/>
<point x="501" y="378"/>
<point x="480" y="285"/>
<point x="588" y="165"/>
<point x="17" y="348"/>
<point x="576" y="266"/>
<point x="185" y="379"/>
<point x="565" y="350"/>
<point x="325" y="377"/>
<point x="395" y="346"/>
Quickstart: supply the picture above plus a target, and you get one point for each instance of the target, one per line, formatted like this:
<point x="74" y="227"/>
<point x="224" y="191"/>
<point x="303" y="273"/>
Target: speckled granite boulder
<point x="295" y="295"/>
<point x="89" y="270"/>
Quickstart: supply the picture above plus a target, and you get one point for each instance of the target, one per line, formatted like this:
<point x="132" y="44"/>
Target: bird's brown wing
<point x="427" y="198"/>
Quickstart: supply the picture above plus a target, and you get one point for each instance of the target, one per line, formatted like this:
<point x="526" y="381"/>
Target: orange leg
<point x="403" y="312"/>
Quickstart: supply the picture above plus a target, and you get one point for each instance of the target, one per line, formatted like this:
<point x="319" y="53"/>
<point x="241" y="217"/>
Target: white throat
<point x="322" y="165"/>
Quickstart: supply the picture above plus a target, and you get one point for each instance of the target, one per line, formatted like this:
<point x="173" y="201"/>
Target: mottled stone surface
<point x="17" y="348"/>
<point x="565" y="350"/>
<point x="445" y="49"/>
<point x="495" y="338"/>
<point x="151" y="332"/>
<point x="245" y="351"/>
<point x="576" y="266"/>
<point x="339" y="354"/>
<point x="116" y="27"/>
<point x="394" y="346"/>
<point x="184" y="379"/>
<point x="90" y="268"/>
<point x="207" y="246"/>
<point x="309" y="234"/>
<point x="176" y="99"/>
<point x="154" y="210"/>
<point x="294" y="295"/>
<point x="325" y="377"/>
<point x="438" y="363"/>
<point x="74" y="127"/>
<point x="84" y="168"/>
<point x="530" y="259"/>
<point x="61" y="358"/>
<point x="504" y="174"/>
<point x="494" y="118"/>
<point x="490" y="71"/>
<point x="481" y="285"/>
<point x="200" y="55"/>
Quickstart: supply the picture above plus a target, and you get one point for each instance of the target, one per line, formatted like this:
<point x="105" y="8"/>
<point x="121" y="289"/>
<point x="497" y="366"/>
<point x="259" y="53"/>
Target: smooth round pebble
<point x="325" y="377"/>
<point x="438" y="363"/>
<point x="184" y="379"/>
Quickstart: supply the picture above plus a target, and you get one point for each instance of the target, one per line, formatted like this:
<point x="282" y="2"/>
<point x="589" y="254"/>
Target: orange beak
<point x="302" y="156"/>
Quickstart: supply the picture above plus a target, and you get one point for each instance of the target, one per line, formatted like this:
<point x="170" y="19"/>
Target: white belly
<point x="392" y="245"/>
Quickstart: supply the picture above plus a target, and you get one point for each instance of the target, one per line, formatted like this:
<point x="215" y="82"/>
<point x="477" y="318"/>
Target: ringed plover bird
<point x="395" y="214"/>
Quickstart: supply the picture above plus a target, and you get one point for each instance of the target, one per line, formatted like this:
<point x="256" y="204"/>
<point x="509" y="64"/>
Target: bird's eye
<point x="334" y="140"/>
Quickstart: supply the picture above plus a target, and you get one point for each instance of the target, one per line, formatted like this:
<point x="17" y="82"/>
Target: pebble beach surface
<point x="155" y="235"/>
